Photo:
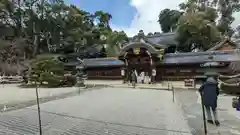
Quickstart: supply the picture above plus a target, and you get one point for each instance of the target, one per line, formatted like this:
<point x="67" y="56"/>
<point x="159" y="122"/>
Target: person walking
<point x="209" y="92"/>
<point x="133" y="77"/>
<point x="238" y="104"/>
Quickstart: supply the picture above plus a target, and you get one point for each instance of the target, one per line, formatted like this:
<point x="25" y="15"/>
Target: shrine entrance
<point x="139" y="57"/>
<point x="140" y="60"/>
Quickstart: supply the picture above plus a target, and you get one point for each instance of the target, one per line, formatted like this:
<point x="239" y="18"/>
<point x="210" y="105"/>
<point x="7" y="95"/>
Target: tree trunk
<point x="20" y="19"/>
<point x="35" y="41"/>
<point x="48" y="42"/>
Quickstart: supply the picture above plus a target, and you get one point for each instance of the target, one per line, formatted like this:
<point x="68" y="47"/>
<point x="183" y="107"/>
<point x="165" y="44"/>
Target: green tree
<point x="47" y="26"/>
<point x="224" y="8"/>
<point x="168" y="19"/>
<point x="103" y="19"/>
<point x="114" y="41"/>
<point x="197" y="28"/>
<point x="196" y="32"/>
<point x="48" y="70"/>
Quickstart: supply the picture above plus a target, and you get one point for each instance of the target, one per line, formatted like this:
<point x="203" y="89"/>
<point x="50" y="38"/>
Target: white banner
<point x="153" y="72"/>
<point x="122" y="72"/>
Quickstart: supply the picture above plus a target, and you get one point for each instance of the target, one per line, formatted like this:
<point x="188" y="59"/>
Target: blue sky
<point x="133" y="15"/>
<point x="122" y="12"/>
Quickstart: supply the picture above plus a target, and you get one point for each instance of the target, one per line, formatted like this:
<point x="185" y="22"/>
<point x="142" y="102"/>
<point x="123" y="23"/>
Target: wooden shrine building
<point x="156" y="56"/>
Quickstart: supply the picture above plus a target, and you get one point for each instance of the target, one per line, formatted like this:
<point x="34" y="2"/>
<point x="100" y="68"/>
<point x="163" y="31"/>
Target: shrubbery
<point x="47" y="71"/>
<point x="231" y="89"/>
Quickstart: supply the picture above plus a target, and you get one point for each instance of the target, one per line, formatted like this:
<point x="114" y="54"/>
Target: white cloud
<point x="237" y="20"/>
<point x="147" y="15"/>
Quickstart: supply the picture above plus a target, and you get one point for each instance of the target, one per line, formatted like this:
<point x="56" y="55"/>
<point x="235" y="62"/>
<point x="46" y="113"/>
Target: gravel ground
<point x="110" y="111"/>
<point x="228" y="117"/>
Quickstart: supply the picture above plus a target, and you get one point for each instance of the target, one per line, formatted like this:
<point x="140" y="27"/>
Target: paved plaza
<point x="11" y="93"/>
<point x="121" y="111"/>
<point x="228" y="116"/>
<point x="111" y="111"/>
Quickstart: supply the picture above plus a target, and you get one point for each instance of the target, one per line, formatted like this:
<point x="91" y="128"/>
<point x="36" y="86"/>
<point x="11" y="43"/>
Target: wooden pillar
<point x="126" y="69"/>
<point x="123" y="74"/>
<point x="152" y="69"/>
<point x="154" y="73"/>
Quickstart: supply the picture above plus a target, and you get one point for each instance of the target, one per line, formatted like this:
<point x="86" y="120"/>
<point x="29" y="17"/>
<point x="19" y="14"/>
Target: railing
<point x="11" y="79"/>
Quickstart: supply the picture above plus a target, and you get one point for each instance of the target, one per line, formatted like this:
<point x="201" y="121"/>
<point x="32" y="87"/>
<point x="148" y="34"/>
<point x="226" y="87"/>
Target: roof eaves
<point x="198" y="53"/>
<point x="154" y="44"/>
<point x="220" y="44"/>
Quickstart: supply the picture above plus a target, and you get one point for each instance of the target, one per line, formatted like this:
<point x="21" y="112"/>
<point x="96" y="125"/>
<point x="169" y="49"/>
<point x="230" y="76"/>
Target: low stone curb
<point x="155" y="88"/>
<point x="138" y="87"/>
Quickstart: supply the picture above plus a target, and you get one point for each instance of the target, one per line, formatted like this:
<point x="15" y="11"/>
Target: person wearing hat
<point x="209" y="92"/>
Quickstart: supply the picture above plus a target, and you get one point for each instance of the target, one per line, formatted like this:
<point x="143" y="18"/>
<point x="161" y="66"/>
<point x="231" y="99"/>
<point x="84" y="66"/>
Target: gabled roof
<point x="91" y="51"/>
<point x="237" y="42"/>
<point x="97" y="62"/>
<point x="163" y="40"/>
<point x="160" y="40"/>
<point x="148" y="46"/>
<point x="221" y="44"/>
<point x="102" y="62"/>
<point x="200" y="57"/>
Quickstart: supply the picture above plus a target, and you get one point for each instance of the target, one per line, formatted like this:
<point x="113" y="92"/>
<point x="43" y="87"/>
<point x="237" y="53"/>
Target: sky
<point x="133" y="15"/>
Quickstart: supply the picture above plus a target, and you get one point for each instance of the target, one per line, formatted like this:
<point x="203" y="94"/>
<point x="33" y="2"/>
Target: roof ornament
<point x="141" y="36"/>
<point x="142" y="41"/>
<point x="210" y="62"/>
<point x="80" y="60"/>
<point x="140" y="33"/>
<point x="210" y="57"/>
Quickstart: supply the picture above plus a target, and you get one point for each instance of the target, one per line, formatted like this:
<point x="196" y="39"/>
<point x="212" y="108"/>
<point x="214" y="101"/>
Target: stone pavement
<point x="228" y="117"/>
<point x="12" y="94"/>
<point x="110" y="111"/>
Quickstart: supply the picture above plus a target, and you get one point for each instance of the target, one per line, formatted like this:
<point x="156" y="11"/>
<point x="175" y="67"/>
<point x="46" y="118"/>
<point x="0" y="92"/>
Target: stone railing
<point x="11" y="79"/>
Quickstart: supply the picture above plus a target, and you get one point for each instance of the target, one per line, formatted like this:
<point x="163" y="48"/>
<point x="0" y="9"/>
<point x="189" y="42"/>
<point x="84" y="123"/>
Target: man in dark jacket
<point x="210" y="91"/>
<point x="133" y="76"/>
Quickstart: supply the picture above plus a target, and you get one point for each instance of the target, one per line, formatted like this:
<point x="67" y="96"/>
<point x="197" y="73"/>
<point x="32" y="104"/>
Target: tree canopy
<point x="200" y="24"/>
<point x="168" y="19"/>
<point x="35" y="27"/>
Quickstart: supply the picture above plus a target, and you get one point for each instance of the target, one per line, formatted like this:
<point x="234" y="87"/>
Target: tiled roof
<point x="179" y="58"/>
<point x="220" y="44"/>
<point x="150" y="48"/>
<point x="237" y="42"/>
<point x="91" y="51"/>
<point x="165" y="39"/>
<point x="102" y="62"/>
<point x="162" y="40"/>
<point x="200" y="57"/>
<point x="97" y="62"/>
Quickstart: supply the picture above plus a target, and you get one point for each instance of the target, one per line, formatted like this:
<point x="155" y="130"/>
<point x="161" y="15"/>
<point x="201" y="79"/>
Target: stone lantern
<point x="80" y="73"/>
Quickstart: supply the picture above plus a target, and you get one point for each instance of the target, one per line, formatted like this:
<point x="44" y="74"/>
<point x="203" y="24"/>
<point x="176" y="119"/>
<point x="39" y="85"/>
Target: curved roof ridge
<point x="150" y="48"/>
<point x="106" y="58"/>
<point x="199" y="53"/>
<point x="161" y="34"/>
